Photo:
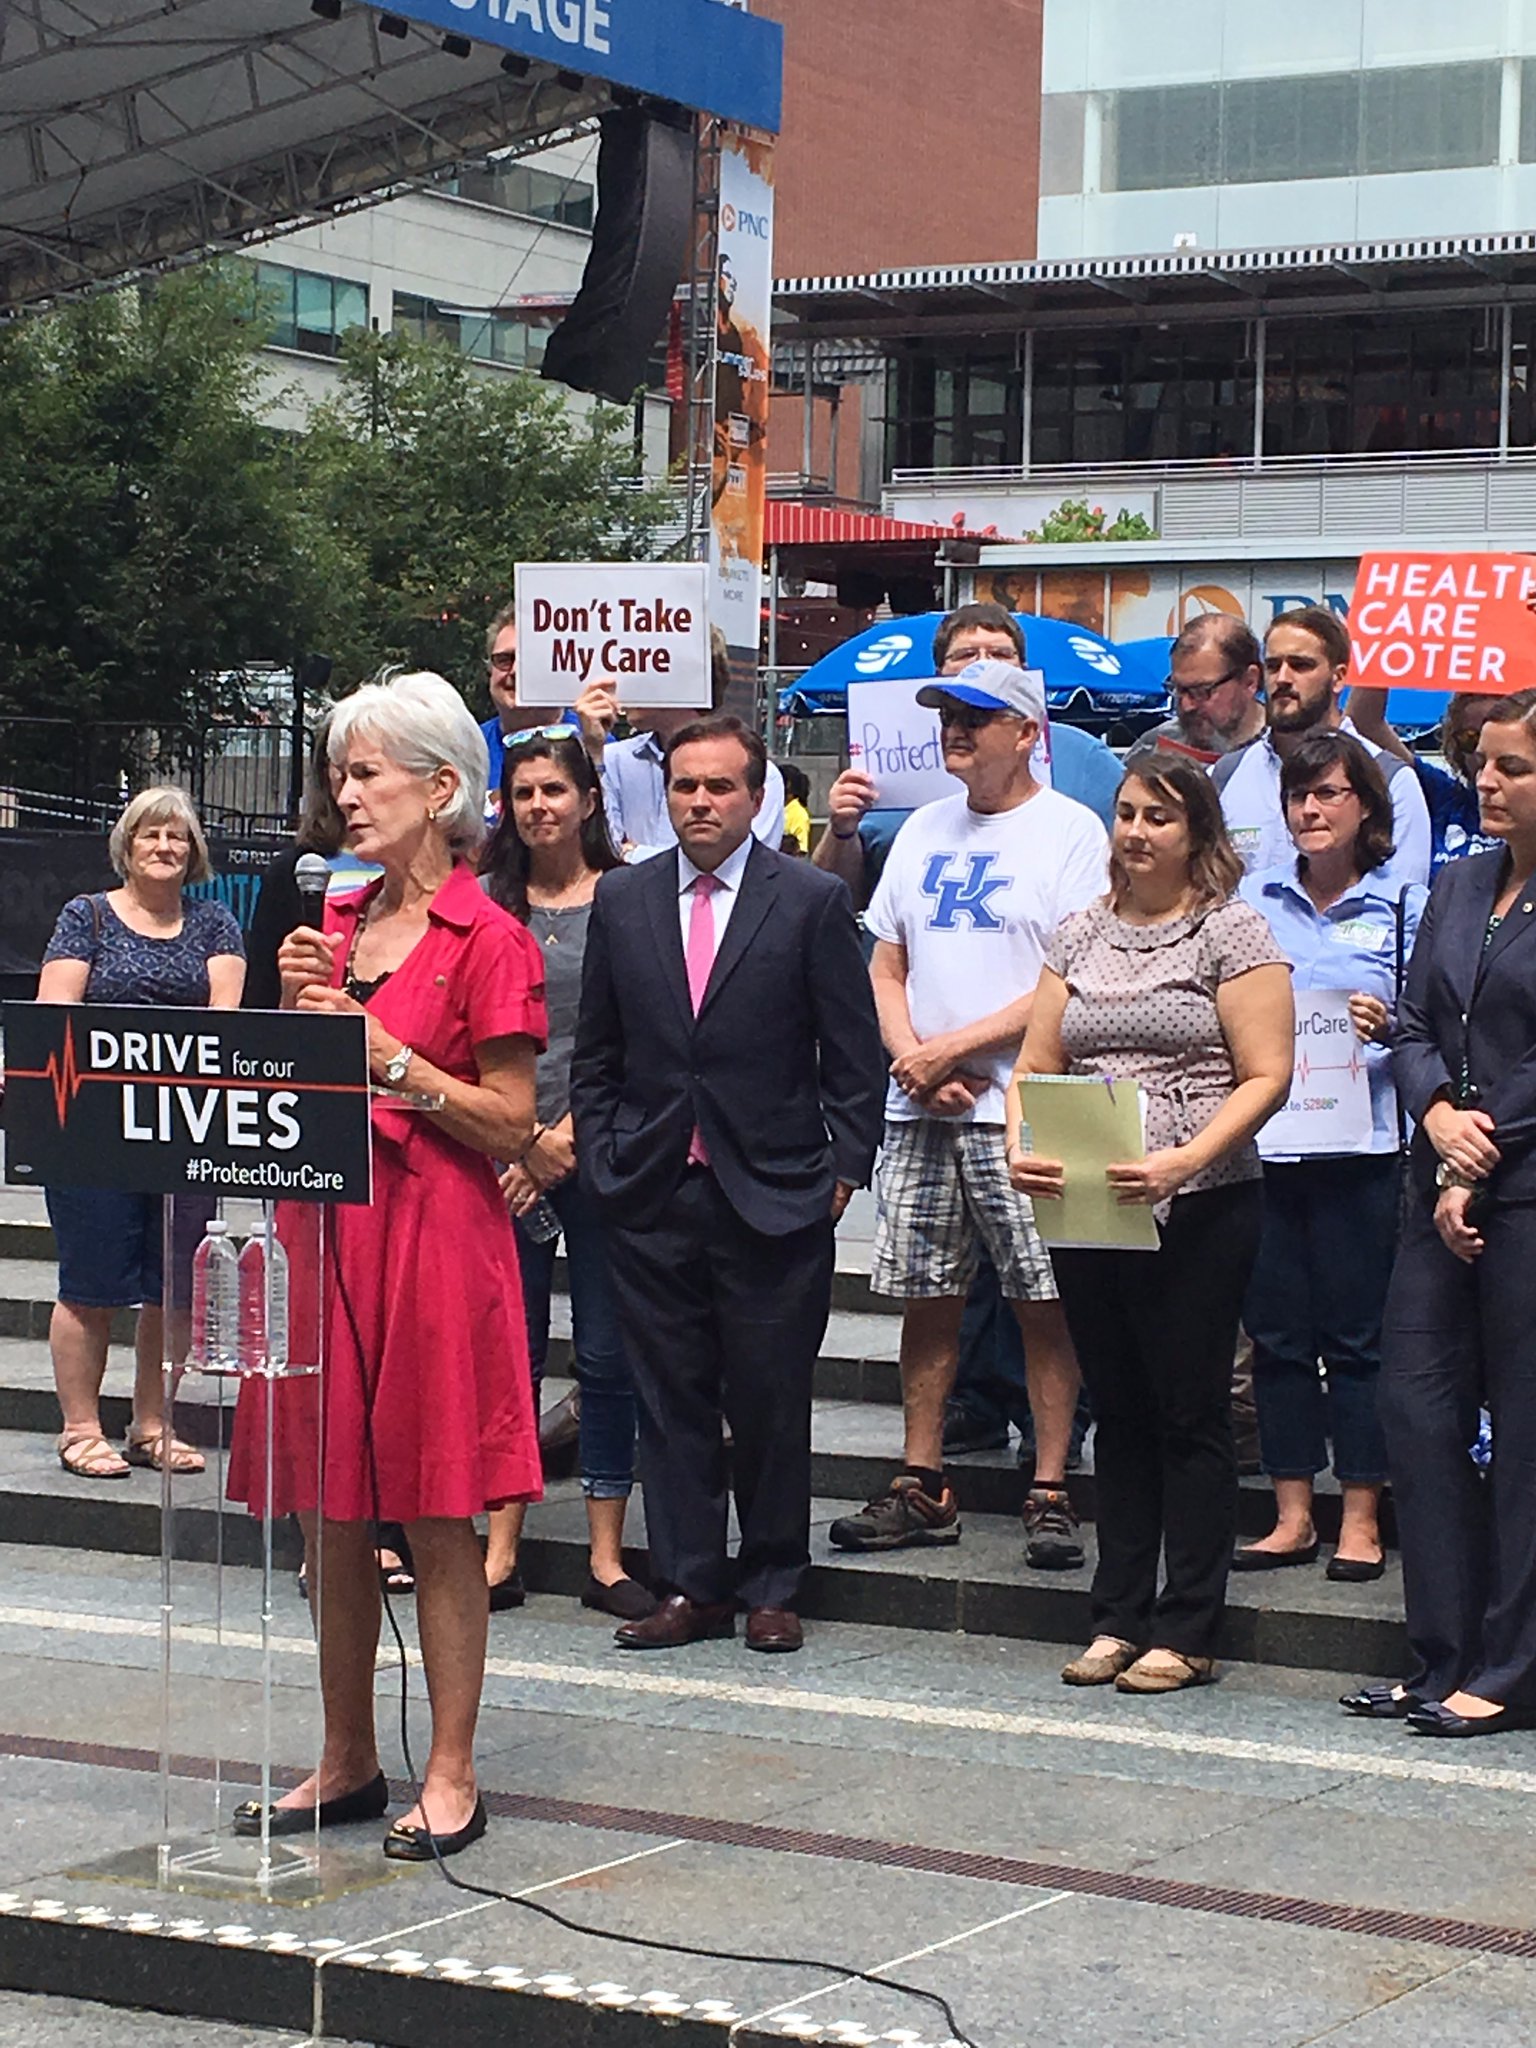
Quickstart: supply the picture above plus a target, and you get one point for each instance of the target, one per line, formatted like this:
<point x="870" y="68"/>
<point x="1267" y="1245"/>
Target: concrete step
<point x="978" y="1585"/>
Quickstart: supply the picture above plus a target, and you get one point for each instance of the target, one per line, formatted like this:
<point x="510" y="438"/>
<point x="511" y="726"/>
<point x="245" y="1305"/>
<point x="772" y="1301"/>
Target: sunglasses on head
<point x="542" y="732"/>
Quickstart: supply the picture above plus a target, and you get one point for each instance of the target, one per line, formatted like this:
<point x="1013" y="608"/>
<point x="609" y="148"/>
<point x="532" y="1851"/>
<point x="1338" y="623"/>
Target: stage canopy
<point x="135" y="135"/>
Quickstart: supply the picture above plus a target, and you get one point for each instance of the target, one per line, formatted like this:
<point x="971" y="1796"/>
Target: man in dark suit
<point x="726" y="1086"/>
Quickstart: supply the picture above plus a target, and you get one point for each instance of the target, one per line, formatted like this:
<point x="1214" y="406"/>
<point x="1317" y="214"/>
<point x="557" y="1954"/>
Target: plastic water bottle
<point x="541" y="1222"/>
<point x="216" y="1301"/>
<point x="263" y="1340"/>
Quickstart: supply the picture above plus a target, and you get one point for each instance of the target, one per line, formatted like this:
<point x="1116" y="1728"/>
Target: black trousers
<point x="1456" y="1336"/>
<point x="719" y="1319"/>
<point x="1154" y="1333"/>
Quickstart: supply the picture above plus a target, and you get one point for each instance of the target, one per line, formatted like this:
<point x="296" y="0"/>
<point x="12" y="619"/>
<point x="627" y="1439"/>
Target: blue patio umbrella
<point x="1083" y="671"/>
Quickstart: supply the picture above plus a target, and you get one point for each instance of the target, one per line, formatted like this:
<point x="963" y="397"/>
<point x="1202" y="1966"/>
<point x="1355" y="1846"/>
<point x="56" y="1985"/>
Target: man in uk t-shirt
<point x="973" y="889"/>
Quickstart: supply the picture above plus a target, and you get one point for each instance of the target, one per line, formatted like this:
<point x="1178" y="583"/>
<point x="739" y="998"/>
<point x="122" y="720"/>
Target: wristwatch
<point x="1447" y="1176"/>
<point x="396" y="1069"/>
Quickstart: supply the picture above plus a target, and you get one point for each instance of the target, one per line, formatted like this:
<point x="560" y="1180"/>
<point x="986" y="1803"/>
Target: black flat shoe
<point x="1252" y="1560"/>
<point x="625" y="1599"/>
<point x="508" y="1592"/>
<point x="419" y="1845"/>
<point x="1355" y="1571"/>
<point x="1380" y="1702"/>
<point x="1433" y="1717"/>
<point x="368" y="1802"/>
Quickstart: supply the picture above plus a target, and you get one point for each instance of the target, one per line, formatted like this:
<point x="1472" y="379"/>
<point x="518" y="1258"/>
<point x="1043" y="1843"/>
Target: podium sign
<point x="270" y="1105"/>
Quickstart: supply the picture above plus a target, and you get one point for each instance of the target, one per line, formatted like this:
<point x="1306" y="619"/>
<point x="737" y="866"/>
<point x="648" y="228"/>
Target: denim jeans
<point x="990" y="1383"/>
<point x="607" y="1448"/>
<point x="1318" y="1290"/>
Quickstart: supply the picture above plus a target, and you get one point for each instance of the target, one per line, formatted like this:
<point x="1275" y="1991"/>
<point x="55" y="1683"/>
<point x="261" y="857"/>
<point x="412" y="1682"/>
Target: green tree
<point x="147" y="539"/>
<point x="424" y="481"/>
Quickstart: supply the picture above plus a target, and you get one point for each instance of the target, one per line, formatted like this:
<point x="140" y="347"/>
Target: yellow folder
<point x="1089" y="1122"/>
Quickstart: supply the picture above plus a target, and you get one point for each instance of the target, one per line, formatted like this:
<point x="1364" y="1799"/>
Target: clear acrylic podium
<point x="244" y="1328"/>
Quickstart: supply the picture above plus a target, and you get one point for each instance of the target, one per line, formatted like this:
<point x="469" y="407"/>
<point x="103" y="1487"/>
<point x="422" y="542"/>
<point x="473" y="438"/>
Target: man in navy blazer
<point x="726" y="1086"/>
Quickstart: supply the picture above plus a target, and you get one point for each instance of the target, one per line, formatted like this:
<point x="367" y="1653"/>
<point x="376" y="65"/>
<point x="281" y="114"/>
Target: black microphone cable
<point x="464" y="1884"/>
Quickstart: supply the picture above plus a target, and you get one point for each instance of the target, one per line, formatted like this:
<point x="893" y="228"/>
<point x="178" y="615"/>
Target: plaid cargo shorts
<point x="942" y="1195"/>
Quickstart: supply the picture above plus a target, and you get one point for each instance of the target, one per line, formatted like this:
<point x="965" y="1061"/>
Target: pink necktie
<point x="700" y="958"/>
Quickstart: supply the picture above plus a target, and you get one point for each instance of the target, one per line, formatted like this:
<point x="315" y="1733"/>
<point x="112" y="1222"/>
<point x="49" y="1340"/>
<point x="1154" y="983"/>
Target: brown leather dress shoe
<point x="677" y="1621"/>
<point x="774" y="1628"/>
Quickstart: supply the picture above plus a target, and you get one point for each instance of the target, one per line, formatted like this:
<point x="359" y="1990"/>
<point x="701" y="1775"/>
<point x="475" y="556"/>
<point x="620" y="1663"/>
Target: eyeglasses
<point x="1327" y="793"/>
<point x="542" y="732"/>
<point x="505" y="662"/>
<point x="968" y="717"/>
<point x="1201" y="693"/>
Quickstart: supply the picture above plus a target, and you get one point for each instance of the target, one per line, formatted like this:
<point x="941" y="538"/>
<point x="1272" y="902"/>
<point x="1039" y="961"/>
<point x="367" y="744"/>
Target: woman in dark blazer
<point x="1460" y="1313"/>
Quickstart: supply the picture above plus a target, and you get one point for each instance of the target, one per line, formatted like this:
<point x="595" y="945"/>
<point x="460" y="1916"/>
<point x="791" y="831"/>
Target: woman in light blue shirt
<point x="1330" y="1223"/>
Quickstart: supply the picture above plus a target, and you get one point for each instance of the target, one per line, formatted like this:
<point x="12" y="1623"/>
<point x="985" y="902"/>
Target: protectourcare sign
<point x="266" y="1104"/>
<point x="695" y="52"/>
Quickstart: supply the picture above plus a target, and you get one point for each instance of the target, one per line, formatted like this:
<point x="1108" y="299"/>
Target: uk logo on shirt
<point x="964" y="895"/>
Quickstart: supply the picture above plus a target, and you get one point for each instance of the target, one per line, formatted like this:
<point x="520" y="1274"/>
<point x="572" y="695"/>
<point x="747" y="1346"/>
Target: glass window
<point x="1429" y="118"/>
<point x="523" y="188"/>
<point x="309" y="310"/>
<point x="1278" y="128"/>
<point x="1163" y="136"/>
<point x="1061" y="143"/>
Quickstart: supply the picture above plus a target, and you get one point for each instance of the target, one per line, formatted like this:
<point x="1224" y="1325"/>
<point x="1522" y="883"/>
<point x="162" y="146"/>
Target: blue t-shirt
<point x="128" y="967"/>
<point x="1454" y="822"/>
<point x="1081" y="767"/>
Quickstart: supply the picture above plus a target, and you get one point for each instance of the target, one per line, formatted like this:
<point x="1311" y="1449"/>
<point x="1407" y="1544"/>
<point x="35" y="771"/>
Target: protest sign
<point x="895" y="741"/>
<point x="1426" y="620"/>
<point x="1329" y="1110"/>
<point x="640" y="626"/>
<point x="262" y="1103"/>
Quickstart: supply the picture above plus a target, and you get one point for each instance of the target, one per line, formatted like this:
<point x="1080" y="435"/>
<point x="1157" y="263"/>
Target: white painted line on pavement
<point x="1408" y="1766"/>
<point x="915" y="1955"/>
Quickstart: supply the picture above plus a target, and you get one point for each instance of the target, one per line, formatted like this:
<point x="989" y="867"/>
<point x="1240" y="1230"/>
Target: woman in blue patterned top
<point x="145" y="942"/>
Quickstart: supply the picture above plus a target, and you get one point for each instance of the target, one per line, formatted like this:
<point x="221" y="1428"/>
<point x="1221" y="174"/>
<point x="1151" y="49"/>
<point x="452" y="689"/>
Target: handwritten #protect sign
<point x="1437" y="621"/>
<point x="895" y="741"/>
<point x="641" y="627"/>
<point x="1329" y="1110"/>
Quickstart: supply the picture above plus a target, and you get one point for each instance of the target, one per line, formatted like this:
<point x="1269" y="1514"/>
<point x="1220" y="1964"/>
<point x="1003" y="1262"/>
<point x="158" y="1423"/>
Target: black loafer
<point x="1380" y="1702"/>
<point x="368" y="1802"/>
<point x="1433" y="1717"/>
<point x="508" y="1592"/>
<point x="625" y="1599"/>
<point x="1355" y="1571"/>
<point x="419" y="1845"/>
<point x="1252" y="1560"/>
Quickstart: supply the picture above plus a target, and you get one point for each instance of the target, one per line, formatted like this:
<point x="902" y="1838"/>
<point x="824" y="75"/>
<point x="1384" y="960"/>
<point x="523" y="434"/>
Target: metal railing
<point x="56" y="775"/>
<point x="1144" y="473"/>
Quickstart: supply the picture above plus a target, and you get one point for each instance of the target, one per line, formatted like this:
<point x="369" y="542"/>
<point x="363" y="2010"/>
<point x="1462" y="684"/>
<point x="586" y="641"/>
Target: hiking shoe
<point x="901" y="1518"/>
<point x="1051" y="1541"/>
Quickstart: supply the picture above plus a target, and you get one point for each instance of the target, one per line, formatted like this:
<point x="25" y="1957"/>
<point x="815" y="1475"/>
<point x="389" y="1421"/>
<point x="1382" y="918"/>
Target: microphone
<point x="312" y="873"/>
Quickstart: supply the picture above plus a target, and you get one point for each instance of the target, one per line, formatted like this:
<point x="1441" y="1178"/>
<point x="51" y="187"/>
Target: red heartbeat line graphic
<point x="64" y="1075"/>
<point x="1306" y="1066"/>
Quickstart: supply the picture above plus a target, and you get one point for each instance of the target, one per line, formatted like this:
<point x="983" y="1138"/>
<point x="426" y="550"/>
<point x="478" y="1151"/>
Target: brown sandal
<point x="86" y="1453"/>
<point x="151" y="1449"/>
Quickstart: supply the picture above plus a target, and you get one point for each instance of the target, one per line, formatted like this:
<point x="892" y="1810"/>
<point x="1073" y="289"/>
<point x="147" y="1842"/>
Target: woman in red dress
<point x="428" y="1409"/>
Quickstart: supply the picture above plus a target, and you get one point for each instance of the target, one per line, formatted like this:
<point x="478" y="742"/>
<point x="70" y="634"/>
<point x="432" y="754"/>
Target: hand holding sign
<point x="1438" y="621"/>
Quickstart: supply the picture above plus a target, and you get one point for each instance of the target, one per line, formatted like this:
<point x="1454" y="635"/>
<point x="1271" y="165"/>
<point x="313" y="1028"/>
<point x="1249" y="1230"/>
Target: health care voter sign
<point x="1430" y="620"/>
<point x="262" y="1103"/>
<point x="640" y="626"/>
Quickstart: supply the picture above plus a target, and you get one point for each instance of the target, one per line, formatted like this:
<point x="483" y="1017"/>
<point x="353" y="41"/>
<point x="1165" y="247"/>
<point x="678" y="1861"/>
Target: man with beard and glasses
<point x="1306" y="665"/>
<point x="1216" y="681"/>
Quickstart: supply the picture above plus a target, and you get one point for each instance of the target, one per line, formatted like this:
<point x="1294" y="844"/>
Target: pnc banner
<point x="739" y="477"/>
<point x="269" y="1105"/>
<point x="1427" y="620"/>
<point x="640" y="626"/>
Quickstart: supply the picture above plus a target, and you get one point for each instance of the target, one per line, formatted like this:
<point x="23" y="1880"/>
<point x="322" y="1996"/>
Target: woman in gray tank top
<point x="543" y="864"/>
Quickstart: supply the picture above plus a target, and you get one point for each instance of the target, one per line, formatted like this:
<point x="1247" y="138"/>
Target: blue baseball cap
<point x="989" y="686"/>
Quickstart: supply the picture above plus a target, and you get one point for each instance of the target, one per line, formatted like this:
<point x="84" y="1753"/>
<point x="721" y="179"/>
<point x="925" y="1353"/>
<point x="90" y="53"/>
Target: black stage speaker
<point x="640" y="239"/>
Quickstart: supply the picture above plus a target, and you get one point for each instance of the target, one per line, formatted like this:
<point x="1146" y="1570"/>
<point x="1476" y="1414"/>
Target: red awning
<point x="791" y="524"/>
